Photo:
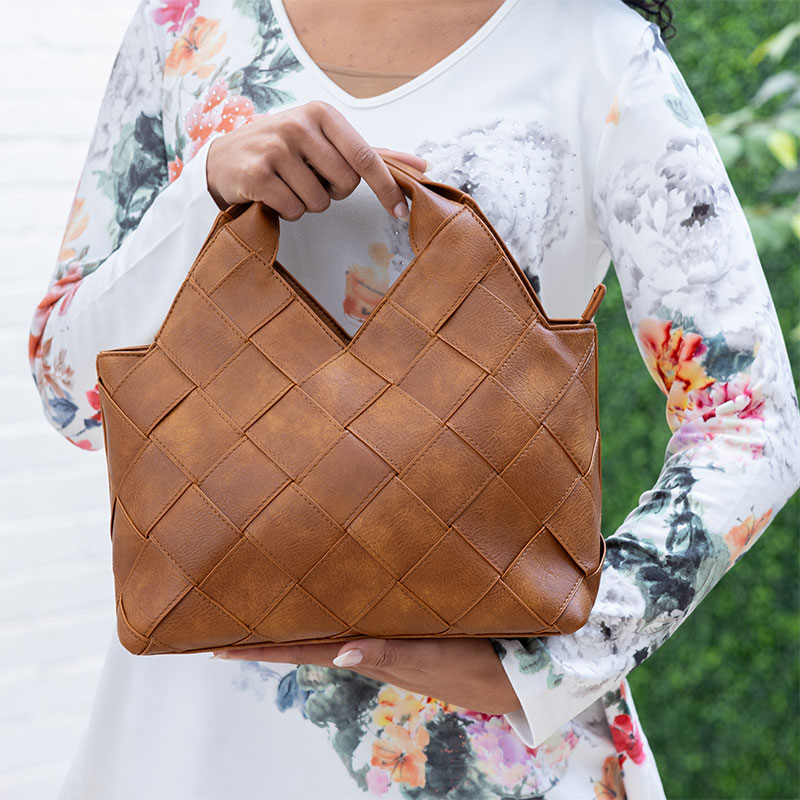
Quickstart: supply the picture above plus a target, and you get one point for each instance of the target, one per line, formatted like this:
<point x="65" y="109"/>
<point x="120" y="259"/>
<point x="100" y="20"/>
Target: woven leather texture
<point x="274" y="480"/>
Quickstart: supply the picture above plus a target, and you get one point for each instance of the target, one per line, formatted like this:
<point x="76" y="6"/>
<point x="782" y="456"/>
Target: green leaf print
<point x="340" y="701"/>
<point x="257" y="81"/>
<point x="683" y="105"/>
<point x="669" y="583"/>
<point x="138" y="174"/>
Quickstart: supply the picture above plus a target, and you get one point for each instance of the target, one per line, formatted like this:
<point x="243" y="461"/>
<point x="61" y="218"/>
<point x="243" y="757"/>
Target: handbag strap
<point x="254" y="227"/>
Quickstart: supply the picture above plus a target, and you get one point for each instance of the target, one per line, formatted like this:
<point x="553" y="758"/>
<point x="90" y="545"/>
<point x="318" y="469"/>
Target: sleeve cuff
<point x="196" y="175"/>
<point x="518" y="721"/>
<point x="540" y="716"/>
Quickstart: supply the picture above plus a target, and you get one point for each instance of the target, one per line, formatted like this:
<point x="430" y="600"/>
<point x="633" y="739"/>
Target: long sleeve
<point x="138" y="220"/>
<point x="705" y="325"/>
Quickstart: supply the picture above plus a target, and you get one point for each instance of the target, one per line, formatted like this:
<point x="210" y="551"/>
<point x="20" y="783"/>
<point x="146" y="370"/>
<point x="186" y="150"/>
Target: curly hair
<point x="660" y="11"/>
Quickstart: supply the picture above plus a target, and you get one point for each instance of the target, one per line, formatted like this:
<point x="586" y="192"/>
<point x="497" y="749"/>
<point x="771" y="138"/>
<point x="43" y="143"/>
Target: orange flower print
<point x="194" y="49"/>
<point x="672" y="358"/>
<point x="671" y="355"/>
<point x="366" y="284"/>
<point x="613" y="112"/>
<point x="175" y="168"/>
<point x="396" y="708"/>
<point x="740" y="536"/>
<point x="218" y="111"/>
<point x="610" y="787"/>
<point x="61" y="290"/>
<point x="698" y="407"/>
<point x="402" y="753"/>
<point x="75" y="227"/>
<point x="407" y="708"/>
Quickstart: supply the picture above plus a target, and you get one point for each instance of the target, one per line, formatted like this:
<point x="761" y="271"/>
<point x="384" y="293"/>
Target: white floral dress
<point x="572" y="127"/>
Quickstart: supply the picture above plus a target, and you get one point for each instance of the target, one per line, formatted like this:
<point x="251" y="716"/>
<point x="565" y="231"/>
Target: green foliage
<point x="719" y="701"/>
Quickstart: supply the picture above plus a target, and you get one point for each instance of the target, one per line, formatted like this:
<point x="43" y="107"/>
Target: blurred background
<point x="720" y="701"/>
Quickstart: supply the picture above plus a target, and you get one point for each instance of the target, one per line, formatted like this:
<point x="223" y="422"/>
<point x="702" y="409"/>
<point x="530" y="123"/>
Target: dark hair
<point x="660" y="11"/>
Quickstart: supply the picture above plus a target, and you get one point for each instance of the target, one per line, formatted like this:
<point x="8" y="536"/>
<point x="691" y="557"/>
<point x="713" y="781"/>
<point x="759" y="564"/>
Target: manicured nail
<point x="401" y="210"/>
<point x="348" y="659"/>
<point x="428" y="165"/>
<point x="221" y="654"/>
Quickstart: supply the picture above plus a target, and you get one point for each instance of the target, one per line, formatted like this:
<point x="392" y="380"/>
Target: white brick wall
<point x="56" y="587"/>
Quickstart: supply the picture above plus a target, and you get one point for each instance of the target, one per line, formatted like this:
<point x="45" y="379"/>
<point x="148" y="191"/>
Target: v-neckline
<point x="416" y="82"/>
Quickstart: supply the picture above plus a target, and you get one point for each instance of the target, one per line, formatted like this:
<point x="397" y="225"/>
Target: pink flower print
<point x="728" y="408"/>
<point x="377" y="781"/>
<point x="499" y="752"/>
<point x="93" y="396"/>
<point x="175" y="12"/>
<point x="733" y="397"/>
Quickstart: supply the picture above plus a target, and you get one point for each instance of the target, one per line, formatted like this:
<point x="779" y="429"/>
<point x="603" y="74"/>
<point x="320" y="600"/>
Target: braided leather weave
<point x="274" y="480"/>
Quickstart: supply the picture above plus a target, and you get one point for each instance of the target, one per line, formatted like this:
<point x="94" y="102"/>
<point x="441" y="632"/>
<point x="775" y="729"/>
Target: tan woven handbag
<point x="274" y="480"/>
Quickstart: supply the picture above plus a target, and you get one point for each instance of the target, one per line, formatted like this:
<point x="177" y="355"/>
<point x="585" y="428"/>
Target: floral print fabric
<point x="707" y="330"/>
<point x="698" y="305"/>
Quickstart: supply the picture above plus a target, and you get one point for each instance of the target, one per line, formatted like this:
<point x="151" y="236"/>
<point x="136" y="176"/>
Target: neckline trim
<point x="336" y="91"/>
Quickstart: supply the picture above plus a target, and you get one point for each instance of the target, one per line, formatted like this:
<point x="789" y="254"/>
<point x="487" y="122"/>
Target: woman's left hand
<point x="463" y="672"/>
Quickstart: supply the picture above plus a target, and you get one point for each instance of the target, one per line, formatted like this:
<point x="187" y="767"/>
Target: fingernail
<point x="401" y="210"/>
<point x="348" y="659"/>
<point x="221" y="654"/>
<point x="428" y="165"/>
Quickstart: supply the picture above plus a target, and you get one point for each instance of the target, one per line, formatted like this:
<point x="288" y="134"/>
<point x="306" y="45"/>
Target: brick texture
<point x="56" y="585"/>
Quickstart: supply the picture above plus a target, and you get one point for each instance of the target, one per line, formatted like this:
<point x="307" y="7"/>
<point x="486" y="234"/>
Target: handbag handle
<point x="432" y="203"/>
<point x="435" y="201"/>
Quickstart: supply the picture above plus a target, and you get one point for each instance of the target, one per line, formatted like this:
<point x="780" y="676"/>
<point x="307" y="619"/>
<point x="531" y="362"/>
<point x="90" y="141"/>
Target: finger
<point x="320" y="653"/>
<point x="365" y="160"/>
<point x="305" y="184"/>
<point x="273" y="191"/>
<point x="418" y="162"/>
<point x="333" y="172"/>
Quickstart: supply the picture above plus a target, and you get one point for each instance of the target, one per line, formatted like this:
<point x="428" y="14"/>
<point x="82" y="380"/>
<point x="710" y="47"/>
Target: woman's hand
<point x="298" y="160"/>
<point x="463" y="672"/>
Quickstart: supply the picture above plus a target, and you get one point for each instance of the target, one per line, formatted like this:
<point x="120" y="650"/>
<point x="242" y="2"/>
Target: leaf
<point x="730" y="123"/>
<point x="785" y="182"/>
<point x="796" y="229"/>
<point x="771" y="231"/>
<point x="789" y="120"/>
<point x="780" y="82"/>
<point x="284" y="59"/>
<point x="730" y="146"/>
<point x="783" y="146"/>
<point x="777" y="45"/>
<point x="756" y="138"/>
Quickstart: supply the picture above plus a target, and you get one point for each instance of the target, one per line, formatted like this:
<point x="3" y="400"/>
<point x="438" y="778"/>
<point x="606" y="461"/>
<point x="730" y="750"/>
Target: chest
<point x="368" y="47"/>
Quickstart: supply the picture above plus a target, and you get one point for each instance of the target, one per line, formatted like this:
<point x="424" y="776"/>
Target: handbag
<point x="273" y="480"/>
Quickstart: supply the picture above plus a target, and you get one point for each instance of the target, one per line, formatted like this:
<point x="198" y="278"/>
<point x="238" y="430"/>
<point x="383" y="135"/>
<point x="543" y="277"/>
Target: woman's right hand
<point x="299" y="160"/>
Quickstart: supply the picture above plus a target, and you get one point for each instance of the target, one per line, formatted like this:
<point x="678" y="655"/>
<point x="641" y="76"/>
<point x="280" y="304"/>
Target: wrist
<point x="216" y="196"/>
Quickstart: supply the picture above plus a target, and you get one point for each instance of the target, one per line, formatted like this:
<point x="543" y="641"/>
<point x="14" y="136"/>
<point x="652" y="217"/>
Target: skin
<point x="299" y="160"/>
<point x="385" y="36"/>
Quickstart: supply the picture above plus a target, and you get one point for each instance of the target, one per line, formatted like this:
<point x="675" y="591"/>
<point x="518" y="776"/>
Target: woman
<point x="573" y="129"/>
